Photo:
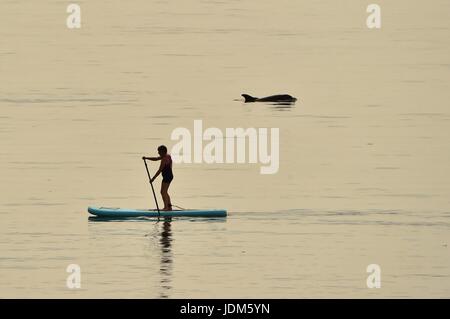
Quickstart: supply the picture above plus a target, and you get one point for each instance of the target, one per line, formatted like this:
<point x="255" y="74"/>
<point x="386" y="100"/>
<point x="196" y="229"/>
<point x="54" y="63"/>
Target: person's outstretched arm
<point x="152" y="158"/>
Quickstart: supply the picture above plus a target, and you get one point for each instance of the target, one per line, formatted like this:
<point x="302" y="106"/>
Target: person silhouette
<point x="165" y="169"/>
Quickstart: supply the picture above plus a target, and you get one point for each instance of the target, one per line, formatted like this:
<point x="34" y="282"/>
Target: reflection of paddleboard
<point x="125" y="212"/>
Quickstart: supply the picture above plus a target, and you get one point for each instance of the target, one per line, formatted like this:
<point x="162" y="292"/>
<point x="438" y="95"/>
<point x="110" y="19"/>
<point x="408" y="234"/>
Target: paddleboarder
<point x="166" y="170"/>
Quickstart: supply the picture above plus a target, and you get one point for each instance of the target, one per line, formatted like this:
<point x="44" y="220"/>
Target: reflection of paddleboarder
<point x="166" y="169"/>
<point x="166" y="257"/>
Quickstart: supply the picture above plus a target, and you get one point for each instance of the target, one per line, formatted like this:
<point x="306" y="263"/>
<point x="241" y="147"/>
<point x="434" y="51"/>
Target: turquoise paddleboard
<point x="125" y="212"/>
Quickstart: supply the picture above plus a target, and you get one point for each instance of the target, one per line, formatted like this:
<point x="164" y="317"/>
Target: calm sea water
<point x="363" y="177"/>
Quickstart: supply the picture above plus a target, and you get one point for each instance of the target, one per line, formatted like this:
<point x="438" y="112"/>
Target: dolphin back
<point x="278" y="98"/>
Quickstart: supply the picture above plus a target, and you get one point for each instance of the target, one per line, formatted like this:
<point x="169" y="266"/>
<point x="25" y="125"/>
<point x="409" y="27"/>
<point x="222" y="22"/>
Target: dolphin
<point x="280" y="98"/>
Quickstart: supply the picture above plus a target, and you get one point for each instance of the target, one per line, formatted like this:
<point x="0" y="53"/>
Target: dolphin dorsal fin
<point x="249" y="98"/>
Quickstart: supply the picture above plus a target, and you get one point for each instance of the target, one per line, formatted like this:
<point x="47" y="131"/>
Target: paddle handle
<point x="151" y="184"/>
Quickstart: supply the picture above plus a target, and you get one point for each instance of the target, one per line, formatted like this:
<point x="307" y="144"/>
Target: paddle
<point x="151" y="184"/>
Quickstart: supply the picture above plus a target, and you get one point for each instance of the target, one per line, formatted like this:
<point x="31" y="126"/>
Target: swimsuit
<point x="167" y="171"/>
